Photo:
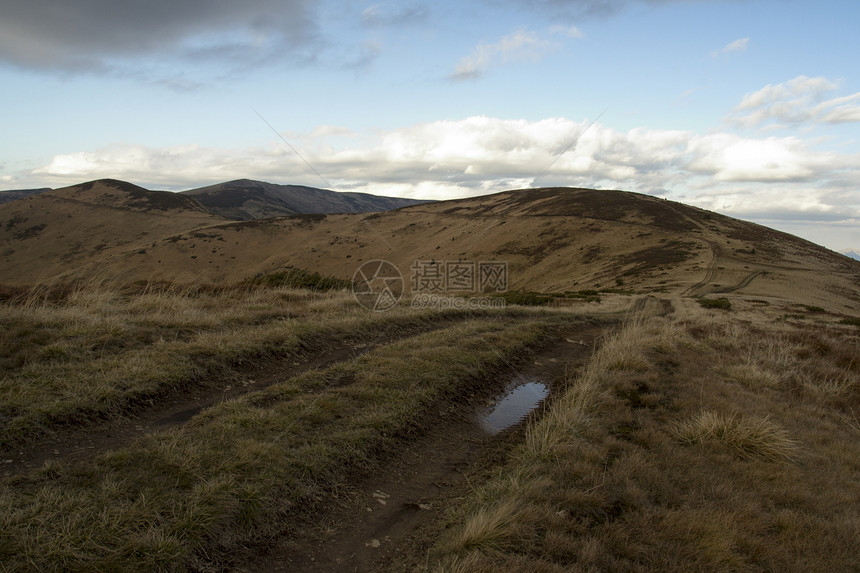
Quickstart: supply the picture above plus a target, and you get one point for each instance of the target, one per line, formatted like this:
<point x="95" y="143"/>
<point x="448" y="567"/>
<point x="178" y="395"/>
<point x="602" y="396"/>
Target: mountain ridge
<point x="852" y="253"/>
<point x="551" y="240"/>
<point x="239" y="199"/>
<point x="248" y="199"/>
<point x="15" y="194"/>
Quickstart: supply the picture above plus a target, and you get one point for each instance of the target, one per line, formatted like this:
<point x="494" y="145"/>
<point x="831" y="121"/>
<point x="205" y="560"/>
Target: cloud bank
<point x="93" y="35"/>
<point x="773" y="179"/>
<point x="801" y="100"/>
<point x="745" y="176"/>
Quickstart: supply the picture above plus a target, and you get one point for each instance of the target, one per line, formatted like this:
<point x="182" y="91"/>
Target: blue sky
<point x="747" y="107"/>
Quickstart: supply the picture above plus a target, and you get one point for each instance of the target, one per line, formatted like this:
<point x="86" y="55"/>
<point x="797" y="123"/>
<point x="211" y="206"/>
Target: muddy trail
<point x="388" y="521"/>
<point x="77" y="444"/>
<point x="744" y="282"/>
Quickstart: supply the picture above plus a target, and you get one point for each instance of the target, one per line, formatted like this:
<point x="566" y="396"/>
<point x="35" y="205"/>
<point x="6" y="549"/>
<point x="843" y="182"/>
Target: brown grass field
<point x="703" y="409"/>
<point x="696" y="444"/>
<point x="553" y="240"/>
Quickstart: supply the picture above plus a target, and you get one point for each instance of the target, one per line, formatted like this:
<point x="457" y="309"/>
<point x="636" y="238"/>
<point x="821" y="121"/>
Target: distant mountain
<point x="121" y="194"/>
<point x="247" y="200"/>
<point x="7" y="196"/>
<point x="853" y="254"/>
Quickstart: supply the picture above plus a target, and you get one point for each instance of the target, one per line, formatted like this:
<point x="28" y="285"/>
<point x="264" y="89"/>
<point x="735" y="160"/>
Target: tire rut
<point x="79" y="444"/>
<point x="745" y="282"/>
<point x="390" y="520"/>
<point x="710" y="270"/>
<point x="716" y="253"/>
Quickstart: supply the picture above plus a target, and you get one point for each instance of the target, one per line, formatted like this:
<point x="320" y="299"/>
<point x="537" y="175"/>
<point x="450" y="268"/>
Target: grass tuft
<point x="751" y="374"/>
<point x="489" y="528"/>
<point x="746" y="437"/>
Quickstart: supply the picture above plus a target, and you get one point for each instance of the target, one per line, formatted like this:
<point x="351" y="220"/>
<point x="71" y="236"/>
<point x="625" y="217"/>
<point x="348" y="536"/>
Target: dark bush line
<point x="720" y="303"/>
<point x="528" y="298"/>
<point x="299" y="278"/>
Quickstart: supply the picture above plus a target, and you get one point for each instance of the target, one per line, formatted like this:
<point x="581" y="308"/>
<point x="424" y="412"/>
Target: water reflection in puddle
<point x="522" y="396"/>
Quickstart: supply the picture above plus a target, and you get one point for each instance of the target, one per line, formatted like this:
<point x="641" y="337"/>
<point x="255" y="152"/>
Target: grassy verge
<point x="245" y="470"/>
<point x="96" y="353"/>
<point x="659" y="457"/>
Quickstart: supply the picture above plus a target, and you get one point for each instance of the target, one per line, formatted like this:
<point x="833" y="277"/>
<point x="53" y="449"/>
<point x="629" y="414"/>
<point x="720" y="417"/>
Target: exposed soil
<point x="84" y="442"/>
<point x="389" y="520"/>
<point x="709" y="271"/>
<point x="745" y="282"/>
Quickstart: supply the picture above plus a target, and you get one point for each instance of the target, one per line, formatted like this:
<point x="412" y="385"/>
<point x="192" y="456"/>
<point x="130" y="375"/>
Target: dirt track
<point x="745" y="282"/>
<point x="81" y="443"/>
<point x="387" y="522"/>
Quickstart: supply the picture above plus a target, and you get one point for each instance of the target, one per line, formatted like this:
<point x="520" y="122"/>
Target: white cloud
<point x="520" y="46"/>
<point x="731" y="158"/>
<point x="739" y="45"/>
<point x="569" y="31"/>
<point x="166" y="168"/>
<point x="782" y="182"/>
<point x="477" y="155"/>
<point x="797" y="101"/>
<point x="839" y="110"/>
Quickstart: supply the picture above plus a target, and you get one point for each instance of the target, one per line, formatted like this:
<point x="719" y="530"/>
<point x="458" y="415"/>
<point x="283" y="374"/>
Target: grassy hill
<point x="55" y="232"/>
<point x="553" y="241"/>
<point x="180" y="391"/>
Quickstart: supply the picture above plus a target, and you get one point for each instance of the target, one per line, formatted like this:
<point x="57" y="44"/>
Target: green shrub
<point x="299" y="278"/>
<point x="720" y="303"/>
<point x="526" y="298"/>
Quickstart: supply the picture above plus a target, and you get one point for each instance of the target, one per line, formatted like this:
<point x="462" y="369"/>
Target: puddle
<point x="522" y="396"/>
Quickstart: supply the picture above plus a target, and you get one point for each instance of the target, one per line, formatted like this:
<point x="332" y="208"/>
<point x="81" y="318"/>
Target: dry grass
<point x="655" y="458"/>
<point x="95" y="353"/>
<point x="247" y="469"/>
<point x="751" y="374"/>
<point x="746" y="437"/>
<point x="490" y="527"/>
<point x="714" y="443"/>
<point x="554" y="240"/>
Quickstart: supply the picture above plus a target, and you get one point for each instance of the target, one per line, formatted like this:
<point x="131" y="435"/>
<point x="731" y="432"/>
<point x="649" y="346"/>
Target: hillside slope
<point x="246" y="200"/>
<point x="14" y="195"/>
<point x="552" y="240"/>
<point x="56" y="231"/>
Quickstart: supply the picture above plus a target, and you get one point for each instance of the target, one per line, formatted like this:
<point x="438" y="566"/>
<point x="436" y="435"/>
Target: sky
<point x="750" y="108"/>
